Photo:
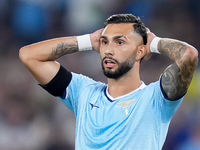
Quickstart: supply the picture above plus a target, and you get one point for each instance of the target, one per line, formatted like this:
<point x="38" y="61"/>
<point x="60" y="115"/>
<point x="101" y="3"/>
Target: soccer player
<point x="125" y="113"/>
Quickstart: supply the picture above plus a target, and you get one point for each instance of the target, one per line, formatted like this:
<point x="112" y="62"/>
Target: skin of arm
<point x="178" y="76"/>
<point x="39" y="58"/>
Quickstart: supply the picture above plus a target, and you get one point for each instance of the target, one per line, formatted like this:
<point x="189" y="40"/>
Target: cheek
<point x="127" y="48"/>
<point x="102" y="49"/>
<point x="131" y="56"/>
<point x="101" y="53"/>
<point x="126" y="52"/>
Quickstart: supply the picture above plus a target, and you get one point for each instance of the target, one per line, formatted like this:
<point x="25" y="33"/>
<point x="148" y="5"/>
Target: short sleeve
<point x="165" y="107"/>
<point x="77" y="85"/>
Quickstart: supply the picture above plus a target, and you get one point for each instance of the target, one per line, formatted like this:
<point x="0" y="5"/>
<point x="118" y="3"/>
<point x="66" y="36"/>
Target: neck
<point x="124" y="85"/>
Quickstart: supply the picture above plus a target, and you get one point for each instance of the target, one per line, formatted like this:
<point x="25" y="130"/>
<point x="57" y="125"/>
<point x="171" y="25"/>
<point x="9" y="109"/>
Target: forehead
<point x="118" y="29"/>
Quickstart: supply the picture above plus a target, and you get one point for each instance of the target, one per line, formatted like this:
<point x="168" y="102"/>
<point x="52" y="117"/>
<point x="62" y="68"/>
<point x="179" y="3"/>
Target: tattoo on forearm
<point x="62" y="49"/>
<point x="173" y="49"/>
<point x="177" y="77"/>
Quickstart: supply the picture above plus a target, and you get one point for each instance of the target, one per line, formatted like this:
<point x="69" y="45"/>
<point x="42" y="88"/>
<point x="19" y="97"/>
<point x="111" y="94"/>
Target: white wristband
<point x="154" y="45"/>
<point x="84" y="42"/>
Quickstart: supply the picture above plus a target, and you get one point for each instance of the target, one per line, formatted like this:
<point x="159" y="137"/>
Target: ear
<point x="141" y="51"/>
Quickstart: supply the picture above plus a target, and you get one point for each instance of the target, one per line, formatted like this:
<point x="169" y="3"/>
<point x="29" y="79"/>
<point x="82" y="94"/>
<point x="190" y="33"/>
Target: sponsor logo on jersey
<point x="126" y="109"/>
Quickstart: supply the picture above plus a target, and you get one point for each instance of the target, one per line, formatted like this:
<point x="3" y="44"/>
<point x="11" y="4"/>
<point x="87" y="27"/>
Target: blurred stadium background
<point x="31" y="119"/>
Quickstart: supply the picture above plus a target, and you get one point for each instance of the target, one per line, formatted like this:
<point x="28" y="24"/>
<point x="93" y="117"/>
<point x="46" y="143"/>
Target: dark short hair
<point x="138" y="25"/>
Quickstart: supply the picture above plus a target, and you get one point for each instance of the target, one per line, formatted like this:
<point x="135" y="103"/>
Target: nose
<point x="109" y="50"/>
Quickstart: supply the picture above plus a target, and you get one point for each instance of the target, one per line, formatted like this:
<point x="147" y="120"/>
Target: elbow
<point x="193" y="53"/>
<point x="23" y="54"/>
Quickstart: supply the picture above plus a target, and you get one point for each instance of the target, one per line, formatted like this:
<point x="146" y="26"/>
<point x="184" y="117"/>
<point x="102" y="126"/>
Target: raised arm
<point x="40" y="57"/>
<point x="178" y="76"/>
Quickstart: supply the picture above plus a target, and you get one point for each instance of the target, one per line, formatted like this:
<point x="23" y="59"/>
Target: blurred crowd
<point x="31" y="119"/>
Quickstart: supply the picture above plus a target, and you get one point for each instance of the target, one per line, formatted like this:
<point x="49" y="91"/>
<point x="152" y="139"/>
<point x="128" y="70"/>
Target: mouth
<point x="109" y="63"/>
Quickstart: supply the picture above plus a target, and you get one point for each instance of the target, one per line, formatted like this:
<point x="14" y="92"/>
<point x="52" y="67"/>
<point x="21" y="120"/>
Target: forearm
<point x="174" y="49"/>
<point x="49" y="50"/>
<point x="184" y="55"/>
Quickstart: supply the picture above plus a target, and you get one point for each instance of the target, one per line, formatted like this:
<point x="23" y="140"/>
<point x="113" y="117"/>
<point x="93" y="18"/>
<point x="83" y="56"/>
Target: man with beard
<point x="125" y="113"/>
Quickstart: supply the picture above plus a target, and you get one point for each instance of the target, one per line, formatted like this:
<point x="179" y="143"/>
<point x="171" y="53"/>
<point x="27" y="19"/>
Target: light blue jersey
<point x="136" y="121"/>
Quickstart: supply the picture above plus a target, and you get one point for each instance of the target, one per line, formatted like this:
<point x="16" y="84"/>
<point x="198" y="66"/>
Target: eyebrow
<point x="115" y="37"/>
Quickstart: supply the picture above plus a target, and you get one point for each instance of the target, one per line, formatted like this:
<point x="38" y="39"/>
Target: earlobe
<point x="141" y="52"/>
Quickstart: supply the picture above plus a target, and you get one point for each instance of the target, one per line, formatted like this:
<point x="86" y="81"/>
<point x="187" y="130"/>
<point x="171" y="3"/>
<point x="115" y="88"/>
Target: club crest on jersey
<point x="126" y="109"/>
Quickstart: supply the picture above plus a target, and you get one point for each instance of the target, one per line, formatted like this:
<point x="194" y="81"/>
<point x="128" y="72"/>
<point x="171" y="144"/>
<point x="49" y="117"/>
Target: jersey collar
<point x="113" y="99"/>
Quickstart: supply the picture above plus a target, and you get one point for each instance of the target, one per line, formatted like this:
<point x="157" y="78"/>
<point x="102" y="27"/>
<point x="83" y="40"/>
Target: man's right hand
<point x="40" y="57"/>
<point x="95" y="39"/>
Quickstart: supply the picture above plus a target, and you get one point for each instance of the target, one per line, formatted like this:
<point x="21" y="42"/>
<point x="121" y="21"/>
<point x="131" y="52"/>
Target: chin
<point x="112" y="74"/>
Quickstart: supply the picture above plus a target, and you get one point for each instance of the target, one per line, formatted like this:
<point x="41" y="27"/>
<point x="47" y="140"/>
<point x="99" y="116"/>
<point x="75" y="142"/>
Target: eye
<point x="104" y="42"/>
<point x="120" y="42"/>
